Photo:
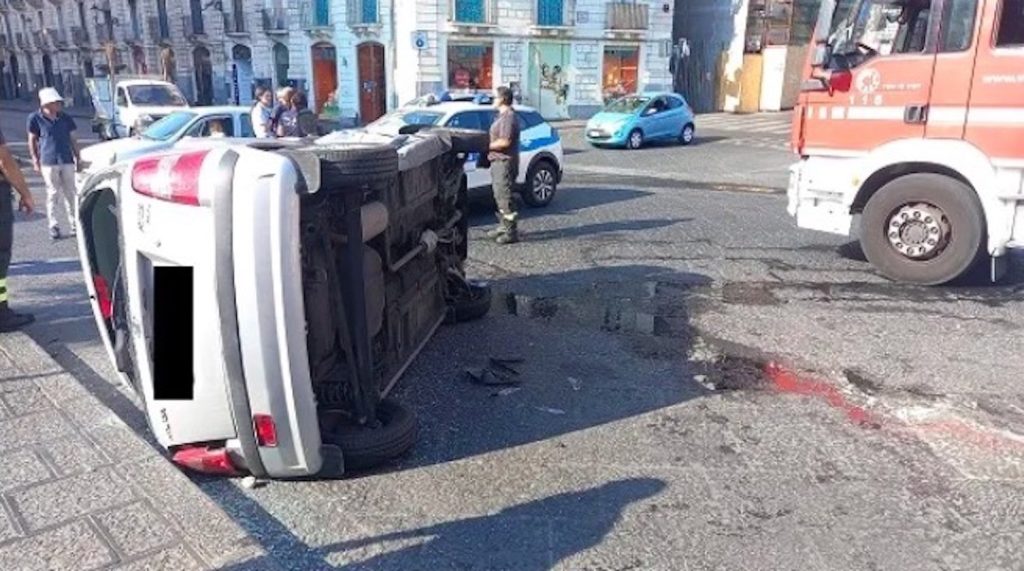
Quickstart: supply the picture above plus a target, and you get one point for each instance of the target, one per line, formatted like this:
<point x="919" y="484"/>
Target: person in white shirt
<point x="263" y="113"/>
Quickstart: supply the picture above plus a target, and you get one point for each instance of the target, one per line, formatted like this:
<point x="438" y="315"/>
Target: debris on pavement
<point x="574" y="383"/>
<point x="498" y="372"/>
<point x="549" y="410"/>
<point x="506" y="392"/>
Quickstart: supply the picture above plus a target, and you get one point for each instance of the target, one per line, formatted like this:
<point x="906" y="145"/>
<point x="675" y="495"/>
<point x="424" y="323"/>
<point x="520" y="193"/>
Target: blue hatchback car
<point x="633" y="120"/>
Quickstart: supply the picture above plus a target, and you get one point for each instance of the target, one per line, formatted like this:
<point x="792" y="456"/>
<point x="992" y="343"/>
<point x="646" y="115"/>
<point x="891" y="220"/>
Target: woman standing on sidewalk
<point x="10" y="177"/>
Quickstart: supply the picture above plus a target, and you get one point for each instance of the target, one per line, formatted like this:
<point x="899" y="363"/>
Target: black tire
<point x="687" y="134"/>
<point x="476" y="305"/>
<point x="966" y="223"/>
<point x="635" y="140"/>
<point x="364" y="448"/>
<point x="356" y="165"/>
<point x="541" y="184"/>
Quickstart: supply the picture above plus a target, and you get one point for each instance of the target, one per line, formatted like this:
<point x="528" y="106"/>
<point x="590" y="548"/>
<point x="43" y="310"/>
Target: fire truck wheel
<point x="924" y="228"/>
<point x="363" y="448"/>
<point x="356" y="165"/>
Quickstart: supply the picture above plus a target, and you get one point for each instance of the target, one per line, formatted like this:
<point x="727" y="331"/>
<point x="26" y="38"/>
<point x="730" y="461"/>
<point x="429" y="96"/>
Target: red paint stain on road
<point x="980" y="438"/>
<point x="788" y="381"/>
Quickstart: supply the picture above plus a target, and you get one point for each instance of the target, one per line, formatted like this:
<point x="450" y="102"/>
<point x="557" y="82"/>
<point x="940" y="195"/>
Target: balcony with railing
<point x="234" y="24"/>
<point x="57" y="39"/>
<point x="104" y="34"/>
<point x="275" y="21"/>
<point x="554" y="17"/>
<point x="194" y="26"/>
<point x="79" y="37"/>
<point x="159" y="30"/>
<point x="315" y="15"/>
<point x="363" y="14"/>
<point x="473" y="16"/>
<point x="627" y="19"/>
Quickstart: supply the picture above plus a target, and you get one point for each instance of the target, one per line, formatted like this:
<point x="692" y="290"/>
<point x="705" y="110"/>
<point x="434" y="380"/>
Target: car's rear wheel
<point x="686" y="135"/>
<point x="635" y="139"/>
<point x="356" y="165"/>
<point x="365" y="447"/>
<point x="541" y="184"/>
<point x="924" y="228"/>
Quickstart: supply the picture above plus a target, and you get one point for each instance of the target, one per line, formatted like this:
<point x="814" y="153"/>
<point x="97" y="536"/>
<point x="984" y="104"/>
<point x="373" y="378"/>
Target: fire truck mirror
<point x="840" y="80"/>
<point x="822" y="55"/>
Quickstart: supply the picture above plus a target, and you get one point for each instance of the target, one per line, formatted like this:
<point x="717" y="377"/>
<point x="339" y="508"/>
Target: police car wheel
<point x="364" y="447"/>
<point x="924" y="228"/>
<point x="541" y="185"/>
<point x="356" y="165"/>
<point x="635" y="139"/>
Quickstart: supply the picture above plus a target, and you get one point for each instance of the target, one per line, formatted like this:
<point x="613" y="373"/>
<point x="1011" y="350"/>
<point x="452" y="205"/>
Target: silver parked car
<point x="263" y="298"/>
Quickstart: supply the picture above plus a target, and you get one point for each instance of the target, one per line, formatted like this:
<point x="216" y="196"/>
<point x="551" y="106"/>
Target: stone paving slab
<point x="81" y="490"/>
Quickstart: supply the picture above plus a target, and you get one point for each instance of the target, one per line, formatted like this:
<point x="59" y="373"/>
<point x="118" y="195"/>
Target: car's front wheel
<point x="541" y="184"/>
<point x="635" y="139"/>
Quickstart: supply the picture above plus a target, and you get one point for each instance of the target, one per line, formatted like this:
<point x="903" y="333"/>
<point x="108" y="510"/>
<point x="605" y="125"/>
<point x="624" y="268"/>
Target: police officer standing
<point x="504" y="159"/>
<point x="10" y="176"/>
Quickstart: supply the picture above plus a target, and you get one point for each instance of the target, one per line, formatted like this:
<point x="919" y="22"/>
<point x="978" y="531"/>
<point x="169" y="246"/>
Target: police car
<point x="540" y="148"/>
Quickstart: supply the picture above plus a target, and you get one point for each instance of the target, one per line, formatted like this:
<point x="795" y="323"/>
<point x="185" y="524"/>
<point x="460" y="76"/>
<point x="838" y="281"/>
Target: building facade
<point x="357" y="59"/>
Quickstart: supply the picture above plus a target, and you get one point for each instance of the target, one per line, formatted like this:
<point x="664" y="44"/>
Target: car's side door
<point x="652" y="119"/>
<point x="472" y="120"/>
<point x="675" y="116"/>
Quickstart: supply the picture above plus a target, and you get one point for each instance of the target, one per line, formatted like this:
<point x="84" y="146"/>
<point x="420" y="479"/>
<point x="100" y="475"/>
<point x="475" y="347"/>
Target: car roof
<point x="131" y="82"/>
<point x="456" y="106"/>
<point x="216" y="110"/>
<point x="657" y="94"/>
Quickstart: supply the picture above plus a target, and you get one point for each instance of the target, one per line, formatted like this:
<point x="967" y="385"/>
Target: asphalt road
<point x="653" y="429"/>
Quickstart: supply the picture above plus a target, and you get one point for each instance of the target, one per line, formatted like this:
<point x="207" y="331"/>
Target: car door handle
<point x="915" y="114"/>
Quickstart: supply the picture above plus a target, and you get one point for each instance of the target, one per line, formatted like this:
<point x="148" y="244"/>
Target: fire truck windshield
<point x="865" y="29"/>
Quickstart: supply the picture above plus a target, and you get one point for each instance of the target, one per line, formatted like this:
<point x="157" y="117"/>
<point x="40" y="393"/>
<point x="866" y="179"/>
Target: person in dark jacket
<point x="11" y="177"/>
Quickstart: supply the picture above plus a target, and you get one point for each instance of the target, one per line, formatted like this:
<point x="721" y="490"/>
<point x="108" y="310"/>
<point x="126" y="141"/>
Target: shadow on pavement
<point x="566" y="201"/>
<point x="597" y="346"/>
<point x="601" y="228"/>
<point x="534" y="535"/>
<point x="45" y="268"/>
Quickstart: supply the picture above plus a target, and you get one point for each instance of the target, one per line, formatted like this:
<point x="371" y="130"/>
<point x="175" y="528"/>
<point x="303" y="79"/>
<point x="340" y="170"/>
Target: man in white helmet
<point x="55" y="155"/>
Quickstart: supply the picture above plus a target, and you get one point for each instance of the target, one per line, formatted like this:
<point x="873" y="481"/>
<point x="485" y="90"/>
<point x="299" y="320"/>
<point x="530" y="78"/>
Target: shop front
<point x="470" y="67"/>
<point x="620" y="71"/>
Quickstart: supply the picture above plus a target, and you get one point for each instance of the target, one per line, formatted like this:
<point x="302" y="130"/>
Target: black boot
<point x="11" y="321"/>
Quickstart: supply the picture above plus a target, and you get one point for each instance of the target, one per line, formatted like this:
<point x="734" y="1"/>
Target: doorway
<point x="48" y="71"/>
<point x="548" y="79"/>
<point x="241" y="75"/>
<point x="281" y="59"/>
<point x="325" y="74"/>
<point x="139" y="60"/>
<point x="15" y="80"/>
<point x="204" y="75"/>
<point x="372" y="82"/>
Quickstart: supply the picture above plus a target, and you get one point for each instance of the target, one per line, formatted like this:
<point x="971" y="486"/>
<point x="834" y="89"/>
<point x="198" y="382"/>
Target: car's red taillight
<point x="205" y="460"/>
<point x="103" y="296"/>
<point x="174" y="178"/>
<point x="266" y="430"/>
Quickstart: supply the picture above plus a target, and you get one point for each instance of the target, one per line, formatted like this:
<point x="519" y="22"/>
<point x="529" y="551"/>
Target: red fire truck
<point x="910" y="131"/>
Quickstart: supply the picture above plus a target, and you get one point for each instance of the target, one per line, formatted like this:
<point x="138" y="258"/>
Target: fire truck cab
<point x="910" y="131"/>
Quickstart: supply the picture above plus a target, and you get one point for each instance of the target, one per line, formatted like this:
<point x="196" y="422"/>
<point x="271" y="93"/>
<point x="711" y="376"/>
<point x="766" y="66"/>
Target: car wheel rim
<point x="543" y="185"/>
<point x="918" y="231"/>
<point x="635" y="139"/>
<point x="688" y="134"/>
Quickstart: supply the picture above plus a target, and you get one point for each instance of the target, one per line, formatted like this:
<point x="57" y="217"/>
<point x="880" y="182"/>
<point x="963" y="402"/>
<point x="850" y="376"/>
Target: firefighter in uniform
<point x="10" y="177"/>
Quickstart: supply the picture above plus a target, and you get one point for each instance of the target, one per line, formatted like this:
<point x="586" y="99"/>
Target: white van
<point x="263" y="297"/>
<point x="126" y="105"/>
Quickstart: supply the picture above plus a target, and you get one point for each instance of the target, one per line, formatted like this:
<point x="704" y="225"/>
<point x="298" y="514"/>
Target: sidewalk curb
<point x="143" y="492"/>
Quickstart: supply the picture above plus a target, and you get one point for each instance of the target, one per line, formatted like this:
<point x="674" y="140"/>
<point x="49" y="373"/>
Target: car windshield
<point x="392" y="122"/>
<point x="155" y="96"/>
<point x="169" y="126"/>
<point x="627" y="104"/>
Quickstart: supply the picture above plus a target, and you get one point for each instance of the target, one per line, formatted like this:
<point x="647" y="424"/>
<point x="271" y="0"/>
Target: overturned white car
<point x="263" y="297"/>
